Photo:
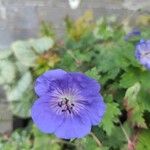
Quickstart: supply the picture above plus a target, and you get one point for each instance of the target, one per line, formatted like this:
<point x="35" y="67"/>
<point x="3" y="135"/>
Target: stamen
<point x="65" y="105"/>
<point x="66" y="101"/>
<point x="72" y="104"/>
<point x="69" y="111"/>
<point x="60" y="104"/>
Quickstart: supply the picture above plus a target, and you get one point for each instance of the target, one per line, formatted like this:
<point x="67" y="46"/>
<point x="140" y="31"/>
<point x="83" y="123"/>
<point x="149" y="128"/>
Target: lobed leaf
<point x="7" y="72"/>
<point x="111" y="116"/>
<point x="41" y="45"/>
<point x="24" y="53"/>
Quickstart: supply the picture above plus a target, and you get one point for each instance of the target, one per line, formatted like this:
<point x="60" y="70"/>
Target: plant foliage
<point x="100" y="50"/>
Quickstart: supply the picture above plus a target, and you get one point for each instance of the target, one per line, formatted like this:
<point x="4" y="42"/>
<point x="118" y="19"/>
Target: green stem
<point x="125" y="133"/>
<point x="96" y="140"/>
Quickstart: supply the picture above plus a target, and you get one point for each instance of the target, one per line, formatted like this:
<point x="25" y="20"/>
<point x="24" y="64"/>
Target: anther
<point x="66" y="106"/>
<point x="69" y="111"/>
<point x="72" y="104"/>
<point x="66" y="101"/>
<point x="60" y="104"/>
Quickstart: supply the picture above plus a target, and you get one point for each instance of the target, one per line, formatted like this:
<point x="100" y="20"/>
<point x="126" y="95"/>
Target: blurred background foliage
<point x="103" y="50"/>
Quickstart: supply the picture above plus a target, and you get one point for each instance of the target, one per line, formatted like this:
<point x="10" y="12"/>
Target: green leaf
<point x="137" y="117"/>
<point x="111" y="116"/>
<point x="143" y="100"/>
<point x="22" y="69"/>
<point x="112" y="57"/>
<point x="143" y="140"/>
<point x="22" y="107"/>
<point x="132" y="93"/>
<point x="46" y="29"/>
<point x="116" y="139"/>
<point x="134" y="75"/>
<point x="103" y="31"/>
<point x="21" y="96"/>
<point x="137" y="96"/>
<point x="67" y="62"/>
<point x="111" y="74"/>
<point x="134" y="108"/>
<point x="22" y="86"/>
<point x="24" y="53"/>
<point x="41" y="45"/>
<point x="5" y="53"/>
<point x="17" y="140"/>
<point x="93" y="73"/>
<point x="81" y="56"/>
<point x="87" y="143"/>
<point x="48" y="141"/>
<point x="7" y="72"/>
<point x="128" y="79"/>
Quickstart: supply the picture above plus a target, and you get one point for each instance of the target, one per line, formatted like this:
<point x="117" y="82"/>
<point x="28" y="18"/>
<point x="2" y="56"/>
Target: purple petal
<point x="96" y="110"/>
<point x="133" y="33"/>
<point x="74" y="127"/>
<point x="142" y="52"/>
<point x="44" y="118"/>
<point x="87" y="86"/>
<point x="43" y="83"/>
<point x="84" y="82"/>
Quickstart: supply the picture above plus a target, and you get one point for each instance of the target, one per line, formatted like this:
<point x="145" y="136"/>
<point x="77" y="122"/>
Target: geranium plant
<point x="117" y="117"/>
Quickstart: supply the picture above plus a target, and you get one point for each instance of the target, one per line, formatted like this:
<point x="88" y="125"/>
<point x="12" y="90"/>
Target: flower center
<point x="66" y="105"/>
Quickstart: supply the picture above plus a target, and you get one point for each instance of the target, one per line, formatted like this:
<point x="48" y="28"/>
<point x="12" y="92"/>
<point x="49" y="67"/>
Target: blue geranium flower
<point x="143" y="52"/>
<point x="135" y="32"/>
<point x="68" y="104"/>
